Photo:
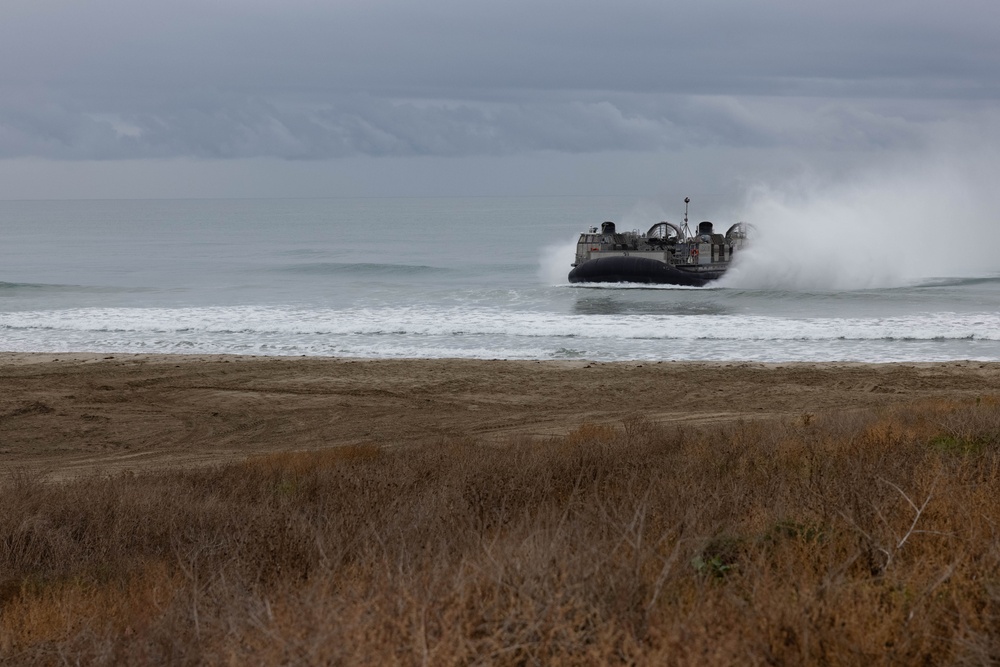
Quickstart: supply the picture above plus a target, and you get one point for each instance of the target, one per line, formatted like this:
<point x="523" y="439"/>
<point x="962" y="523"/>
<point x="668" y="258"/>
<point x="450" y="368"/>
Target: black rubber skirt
<point x="639" y="270"/>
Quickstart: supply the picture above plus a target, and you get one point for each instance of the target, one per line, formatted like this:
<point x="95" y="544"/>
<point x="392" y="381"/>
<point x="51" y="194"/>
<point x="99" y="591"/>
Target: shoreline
<point x="71" y="414"/>
<point x="16" y="358"/>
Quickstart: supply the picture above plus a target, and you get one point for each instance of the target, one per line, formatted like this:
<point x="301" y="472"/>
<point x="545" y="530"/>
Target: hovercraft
<point x="666" y="254"/>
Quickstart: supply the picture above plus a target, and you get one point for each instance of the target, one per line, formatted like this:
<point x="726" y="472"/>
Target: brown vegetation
<point x="834" y="538"/>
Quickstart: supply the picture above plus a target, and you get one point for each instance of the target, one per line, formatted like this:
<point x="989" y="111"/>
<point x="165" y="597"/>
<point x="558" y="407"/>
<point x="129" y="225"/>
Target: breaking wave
<point x="490" y="333"/>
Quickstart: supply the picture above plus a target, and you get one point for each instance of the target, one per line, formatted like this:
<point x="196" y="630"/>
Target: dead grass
<point x="834" y="539"/>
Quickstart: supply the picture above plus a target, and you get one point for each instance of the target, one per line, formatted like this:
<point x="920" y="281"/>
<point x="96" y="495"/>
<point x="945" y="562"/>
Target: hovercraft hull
<point x="625" y="269"/>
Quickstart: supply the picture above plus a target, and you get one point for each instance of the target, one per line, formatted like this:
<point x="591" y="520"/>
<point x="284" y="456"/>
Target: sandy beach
<point x="67" y="415"/>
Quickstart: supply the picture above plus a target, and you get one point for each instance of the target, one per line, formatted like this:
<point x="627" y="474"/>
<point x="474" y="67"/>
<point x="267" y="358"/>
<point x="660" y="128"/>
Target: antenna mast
<point x="687" y="230"/>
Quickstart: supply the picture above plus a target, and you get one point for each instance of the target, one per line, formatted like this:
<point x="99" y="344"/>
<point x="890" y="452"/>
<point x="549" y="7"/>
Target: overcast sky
<point x="135" y="98"/>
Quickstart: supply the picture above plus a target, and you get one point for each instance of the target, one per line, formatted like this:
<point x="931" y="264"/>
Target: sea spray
<point x="885" y="227"/>
<point x="555" y="262"/>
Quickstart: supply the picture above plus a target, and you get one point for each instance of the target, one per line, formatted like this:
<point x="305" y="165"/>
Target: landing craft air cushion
<point x="665" y="255"/>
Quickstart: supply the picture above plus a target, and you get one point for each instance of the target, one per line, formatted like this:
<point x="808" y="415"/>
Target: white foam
<point x="488" y="333"/>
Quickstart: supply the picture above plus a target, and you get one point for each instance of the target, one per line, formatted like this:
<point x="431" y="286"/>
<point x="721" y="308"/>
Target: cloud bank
<point x="301" y="80"/>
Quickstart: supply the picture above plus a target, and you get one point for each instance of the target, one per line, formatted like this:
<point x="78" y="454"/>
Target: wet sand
<point x="72" y="414"/>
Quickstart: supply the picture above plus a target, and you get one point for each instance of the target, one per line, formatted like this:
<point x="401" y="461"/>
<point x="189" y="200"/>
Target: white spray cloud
<point x="555" y="262"/>
<point x="898" y="223"/>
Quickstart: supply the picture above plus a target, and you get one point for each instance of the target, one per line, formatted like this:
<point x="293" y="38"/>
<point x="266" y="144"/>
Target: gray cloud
<point x="117" y="79"/>
<point x="457" y="45"/>
<point x="211" y="124"/>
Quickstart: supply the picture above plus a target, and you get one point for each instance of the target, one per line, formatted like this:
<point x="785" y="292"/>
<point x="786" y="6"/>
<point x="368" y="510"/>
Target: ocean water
<point x="476" y="277"/>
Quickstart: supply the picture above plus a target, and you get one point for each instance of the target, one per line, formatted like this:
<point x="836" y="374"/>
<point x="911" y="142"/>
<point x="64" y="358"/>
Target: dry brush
<point x="836" y="538"/>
